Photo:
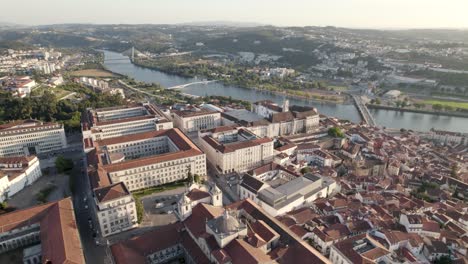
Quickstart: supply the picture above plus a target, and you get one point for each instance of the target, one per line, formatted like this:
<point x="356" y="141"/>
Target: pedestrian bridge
<point x="188" y="84"/>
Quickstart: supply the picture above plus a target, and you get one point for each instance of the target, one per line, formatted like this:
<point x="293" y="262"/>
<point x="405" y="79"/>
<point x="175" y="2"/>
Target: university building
<point x="234" y="149"/>
<point x="196" y="119"/>
<point x="268" y="119"/>
<point x="98" y="124"/>
<point x="117" y="166"/>
<point x="30" y="137"/>
<point x="16" y="173"/>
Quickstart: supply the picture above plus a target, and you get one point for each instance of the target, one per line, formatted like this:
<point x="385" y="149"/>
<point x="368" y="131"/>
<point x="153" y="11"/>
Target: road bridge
<point x="363" y="110"/>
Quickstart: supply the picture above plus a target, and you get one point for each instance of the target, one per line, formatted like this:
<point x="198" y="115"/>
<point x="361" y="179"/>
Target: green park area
<point x="455" y="105"/>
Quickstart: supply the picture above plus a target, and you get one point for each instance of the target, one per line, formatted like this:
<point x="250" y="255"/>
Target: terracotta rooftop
<point x="136" y="249"/>
<point x="231" y="147"/>
<point x="59" y="236"/>
<point x="111" y="192"/>
<point x="196" y="194"/>
<point x="186" y="149"/>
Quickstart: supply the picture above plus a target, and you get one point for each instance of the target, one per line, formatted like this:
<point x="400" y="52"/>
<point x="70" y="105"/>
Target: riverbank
<point x="341" y="99"/>
<point x="455" y="114"/>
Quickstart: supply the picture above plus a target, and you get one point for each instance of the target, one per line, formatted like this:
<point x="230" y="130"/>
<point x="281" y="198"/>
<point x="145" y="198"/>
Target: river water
<point x="119" y="63"/>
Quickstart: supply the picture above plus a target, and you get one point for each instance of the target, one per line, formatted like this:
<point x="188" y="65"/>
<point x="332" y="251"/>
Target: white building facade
<point x="30" y="137"/>
<point x="233" y="149"/>
<point x="191" y="121"/>
<point x="116" y="209"/>
<point x="120" y="121"/>
<point x="16" y="173"/>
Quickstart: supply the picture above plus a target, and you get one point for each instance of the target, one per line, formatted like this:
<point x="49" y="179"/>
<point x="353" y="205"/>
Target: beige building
<point x="270" y="120"/>
<point x="119" y="165"/>
<point x="112" y="122"/>
<point x="116" y="209"/>
<point x="30" y="137"/>
<point x="448" y="138"/>
<point x="196" y="119"/>
<point x="234" y="149"/>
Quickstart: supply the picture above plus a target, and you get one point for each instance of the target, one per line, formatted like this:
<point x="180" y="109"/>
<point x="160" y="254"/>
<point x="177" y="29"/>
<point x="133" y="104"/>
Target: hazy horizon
<point x="382" y="14"/>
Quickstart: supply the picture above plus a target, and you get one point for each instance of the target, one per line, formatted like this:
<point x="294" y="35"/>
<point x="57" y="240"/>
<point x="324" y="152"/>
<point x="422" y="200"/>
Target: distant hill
<point x="9" y="25"/>
<point x="222" y="24"/>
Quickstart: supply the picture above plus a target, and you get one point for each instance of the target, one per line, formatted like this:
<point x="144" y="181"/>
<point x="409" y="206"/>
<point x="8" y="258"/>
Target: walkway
<point x="188" y="84"/>
<point x="146" y="93"/>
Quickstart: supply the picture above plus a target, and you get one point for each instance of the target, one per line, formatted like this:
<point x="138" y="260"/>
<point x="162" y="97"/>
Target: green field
<point x="462" y="105"/>
<point x="338" y="88"/>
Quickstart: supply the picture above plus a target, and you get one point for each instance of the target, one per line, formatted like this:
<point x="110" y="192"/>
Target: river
<point x="119" y="63"/>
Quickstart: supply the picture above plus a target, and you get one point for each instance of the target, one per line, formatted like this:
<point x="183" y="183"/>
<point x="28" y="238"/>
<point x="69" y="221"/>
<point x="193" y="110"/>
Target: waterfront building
<point x="30" y="137"/>
<point x="103" y="123"/>
<point x="271" y="120"/>
<point x="16" y="173"/>
<point x="235" y="149"/>
<point x="447" y="137"/>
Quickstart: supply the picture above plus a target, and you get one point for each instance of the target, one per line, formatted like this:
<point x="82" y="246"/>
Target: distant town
<point x="122" y="144"/>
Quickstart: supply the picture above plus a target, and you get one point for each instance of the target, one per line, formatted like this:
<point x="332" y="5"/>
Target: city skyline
<point x="365" y="13"/>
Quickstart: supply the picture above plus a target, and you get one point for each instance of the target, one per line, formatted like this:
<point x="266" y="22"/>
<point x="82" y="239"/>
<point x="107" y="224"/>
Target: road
<point x="364" y="111"/>
<point x="81" y="199"/>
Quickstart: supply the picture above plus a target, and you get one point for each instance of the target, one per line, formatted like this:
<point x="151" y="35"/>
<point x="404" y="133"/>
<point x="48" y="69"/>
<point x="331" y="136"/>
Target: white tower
<point x="216" y="196"/>
<point x="184" y="207"/>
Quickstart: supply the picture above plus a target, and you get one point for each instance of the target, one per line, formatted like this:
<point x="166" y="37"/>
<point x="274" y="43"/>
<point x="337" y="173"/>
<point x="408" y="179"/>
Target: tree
<point x="437" y="107"/>
<point x="63" y="165"/>
<point x="305" y="170"/>
<point x="449" y="108"/>
<point x="454" y="171"/>
<point x="140" y="210"/>
<point x="197" y="178"/>
<point x="419" y="105"/>
<point x="377" y="101"/>
<point x="189" y="177"/>
<point x="335" y="132"/>
<point x="443" y="260"/>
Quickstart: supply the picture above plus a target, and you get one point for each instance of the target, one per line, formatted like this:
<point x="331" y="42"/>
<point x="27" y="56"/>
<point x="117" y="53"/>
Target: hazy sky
<point x="346" y="13"/>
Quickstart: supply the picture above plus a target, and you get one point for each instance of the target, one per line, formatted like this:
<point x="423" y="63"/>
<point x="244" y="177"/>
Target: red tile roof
<point x="201" y="213"/>
<point x="196" y="194"/>
<point x="59" y="234"/>
<point x="111" y="192"/>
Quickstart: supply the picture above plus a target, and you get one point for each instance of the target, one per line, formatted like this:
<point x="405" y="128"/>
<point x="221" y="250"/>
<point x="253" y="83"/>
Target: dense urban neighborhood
<point x="101" y="164"/>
